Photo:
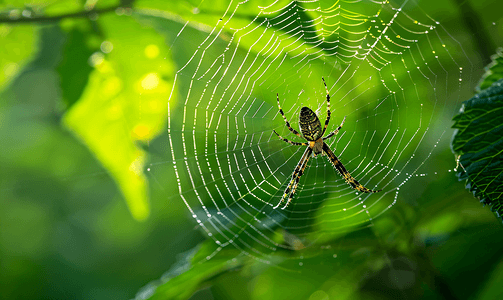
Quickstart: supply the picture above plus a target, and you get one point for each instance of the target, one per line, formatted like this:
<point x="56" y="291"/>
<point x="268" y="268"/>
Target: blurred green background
<point x="66" y="231"/>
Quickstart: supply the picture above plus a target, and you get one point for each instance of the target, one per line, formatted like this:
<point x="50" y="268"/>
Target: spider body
<point x="312" y="132"/>
<point x="310" y="127"/>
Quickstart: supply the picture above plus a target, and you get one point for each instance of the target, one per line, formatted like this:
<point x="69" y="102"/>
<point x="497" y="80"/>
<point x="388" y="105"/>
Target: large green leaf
<point x="479" y="141"/>
<point x="193" y="269"/>
<point x="494" y="71"/>
<point x="206" y="15"/>
<point x="125" y="101"/>
<point x="18" y="44"/>
<point x="74" y="67"/>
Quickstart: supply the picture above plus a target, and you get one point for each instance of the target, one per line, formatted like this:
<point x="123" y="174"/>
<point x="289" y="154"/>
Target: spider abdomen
<point x="310" y="125"/>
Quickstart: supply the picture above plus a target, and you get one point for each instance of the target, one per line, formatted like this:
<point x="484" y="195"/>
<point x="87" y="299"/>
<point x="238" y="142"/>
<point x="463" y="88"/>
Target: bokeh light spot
<point x="10" y="69"/>
<point x="106" y="47"/>
<point x="152" y="51"/>
<point x="96" y="59"/>
<point x="150" y="81"/>
<point x="137" y="165"/>
<point x="141" y="131"/>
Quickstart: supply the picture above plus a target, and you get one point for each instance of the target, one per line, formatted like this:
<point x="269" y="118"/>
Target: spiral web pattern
<point x="384" y="64"/>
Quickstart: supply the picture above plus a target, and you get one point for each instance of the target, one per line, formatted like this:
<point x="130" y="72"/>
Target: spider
<point x="312" y="132"/>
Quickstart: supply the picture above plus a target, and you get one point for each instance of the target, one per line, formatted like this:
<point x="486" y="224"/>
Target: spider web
<point x="392" y="70"/>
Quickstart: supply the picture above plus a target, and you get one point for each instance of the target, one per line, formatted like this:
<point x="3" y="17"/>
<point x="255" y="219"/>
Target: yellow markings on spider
<point x="313" y="132"/>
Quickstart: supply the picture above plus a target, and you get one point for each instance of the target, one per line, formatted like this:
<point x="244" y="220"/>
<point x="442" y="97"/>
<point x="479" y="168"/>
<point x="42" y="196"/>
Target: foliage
<point x="18" y="44"/>
<point x="479" y="142"/>
<point x="107" y="118"/>
<point x="84" y="95"/>
<point x="193" y="270"/>
<point x="494" y="71"/>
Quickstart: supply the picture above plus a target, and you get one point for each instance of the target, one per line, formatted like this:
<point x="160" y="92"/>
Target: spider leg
<point x="286" y="121"/>
<point x="303" y="159"/>
<point x="335" y="131"/>
<point x="285" y="140"/>
<point x="297" y="179"/>
<point x="328" y="108"/>
<point x="344" y="173"/>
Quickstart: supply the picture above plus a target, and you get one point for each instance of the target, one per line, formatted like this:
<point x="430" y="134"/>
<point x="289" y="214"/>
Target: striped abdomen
<point x="310" y="125"/>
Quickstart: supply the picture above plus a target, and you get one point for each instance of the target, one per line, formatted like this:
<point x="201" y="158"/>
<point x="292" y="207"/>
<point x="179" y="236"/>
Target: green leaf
<point x="46" y="8"/>
<point x="192" y="270"/>
<point x="494" y="71"/>
<point x="125" y="101"/>
<point x="18" y="45"/>
<point x="74" y="68"/>
<point x="15" y="9"/>
<point x="204" y="16"/>
<point x="479" y="142"/>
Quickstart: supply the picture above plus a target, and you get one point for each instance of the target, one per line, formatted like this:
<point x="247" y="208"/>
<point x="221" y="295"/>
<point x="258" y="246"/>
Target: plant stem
<point x="44" y="19"/>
